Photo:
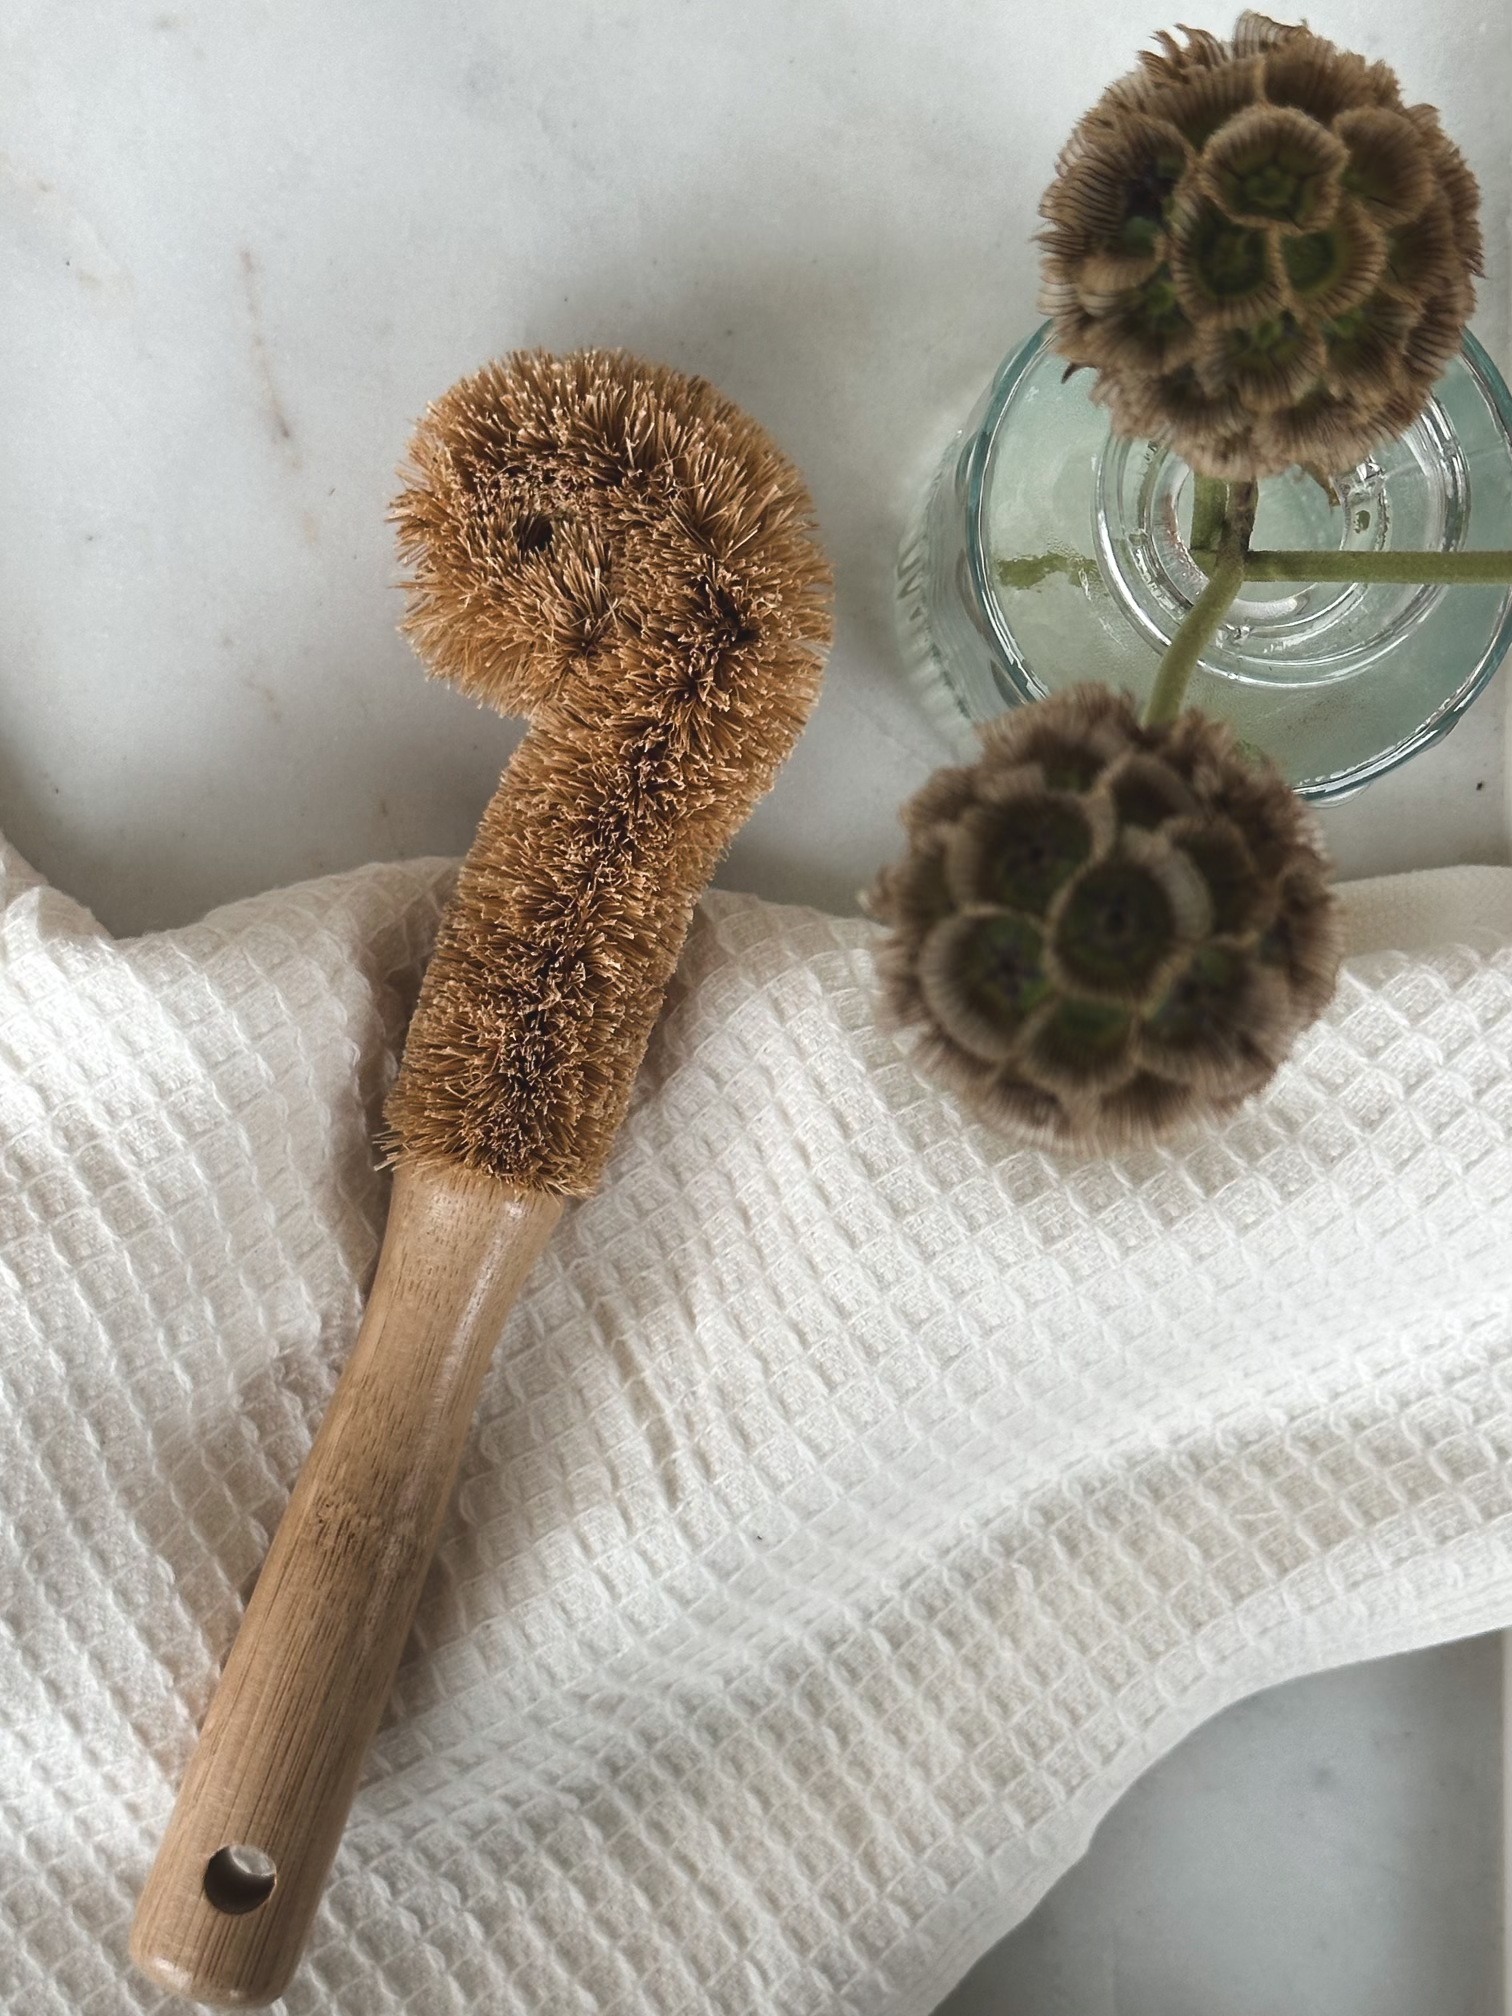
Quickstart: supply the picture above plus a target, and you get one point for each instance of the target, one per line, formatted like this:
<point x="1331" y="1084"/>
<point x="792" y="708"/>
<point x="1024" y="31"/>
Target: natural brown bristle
<point x="619" y="552"/>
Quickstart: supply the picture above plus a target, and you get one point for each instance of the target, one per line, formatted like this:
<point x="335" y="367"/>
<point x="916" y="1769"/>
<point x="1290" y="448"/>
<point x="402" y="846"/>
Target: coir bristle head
<point x="617" y="551"/>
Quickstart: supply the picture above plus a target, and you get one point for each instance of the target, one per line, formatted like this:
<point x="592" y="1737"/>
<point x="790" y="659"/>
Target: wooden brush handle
<point x="282" y="1747"/>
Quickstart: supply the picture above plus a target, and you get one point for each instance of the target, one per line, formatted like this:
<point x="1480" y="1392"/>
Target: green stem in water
<point x="1201" y="622"/>
<point x="1301" y="565"/>
<point x="1210" y="499"/>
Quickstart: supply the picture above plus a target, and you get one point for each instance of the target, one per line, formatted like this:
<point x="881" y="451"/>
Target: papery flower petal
<point x="1390" y="171"/>
<point x="1272" y="165"/>
<point x="1333" y="270"/>
<point x="1267" y="367"/>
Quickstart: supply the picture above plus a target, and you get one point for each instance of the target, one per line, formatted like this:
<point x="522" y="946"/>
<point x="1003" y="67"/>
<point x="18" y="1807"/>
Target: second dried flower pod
<point x="1104" y="929"/>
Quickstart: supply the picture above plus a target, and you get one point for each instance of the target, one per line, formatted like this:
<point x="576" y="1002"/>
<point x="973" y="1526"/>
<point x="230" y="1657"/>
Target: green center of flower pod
<point x="1363" y="342"/>
<point x="1348" y="325"/>
<point x="1200" y="1004"/>
<point x="1116" y="928"/>
<point x="1031" y="849"/>
<point x="1315" y="261"/>
<point x="1082" y="1039"/>
<point x="1155" y="307"/>
<point x="1273" y="188"/>
<point x="1285" y="186"/>
<point x="997" y="968"/>
<point x="1229" y="260"/>
<point x="1138" y="234"/>
<point x="1270" y="166"/>
<point x="1272" y="358"/>
<point x="1278" y="338"/>
<point x="1352" y="335"/>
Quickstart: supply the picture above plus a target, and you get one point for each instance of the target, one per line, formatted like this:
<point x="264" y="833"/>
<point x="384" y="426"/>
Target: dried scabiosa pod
<point x="1105" y="929"/>
<point x="1263" y="253"/>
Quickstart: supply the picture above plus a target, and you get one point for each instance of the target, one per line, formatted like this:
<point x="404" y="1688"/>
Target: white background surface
<point x="245" y="244"/>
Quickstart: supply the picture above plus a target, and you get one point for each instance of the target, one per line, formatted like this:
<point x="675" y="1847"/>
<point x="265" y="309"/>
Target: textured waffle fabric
<point x="856" y="1503"/>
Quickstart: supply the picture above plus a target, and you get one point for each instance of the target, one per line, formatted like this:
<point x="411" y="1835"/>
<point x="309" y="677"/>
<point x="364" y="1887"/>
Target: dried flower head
<point x="1104" y="929"/>
<point x="1263" y="253"/>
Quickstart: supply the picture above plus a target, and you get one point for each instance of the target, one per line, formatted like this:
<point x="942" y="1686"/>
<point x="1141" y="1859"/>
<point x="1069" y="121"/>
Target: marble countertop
<point x="245" y="245"/>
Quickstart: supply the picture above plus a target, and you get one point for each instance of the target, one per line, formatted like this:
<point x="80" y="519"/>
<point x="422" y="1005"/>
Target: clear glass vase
<point x="1046" y="552"/>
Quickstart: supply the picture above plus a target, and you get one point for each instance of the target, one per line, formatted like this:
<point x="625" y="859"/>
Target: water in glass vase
<point x="1046" y="552"/>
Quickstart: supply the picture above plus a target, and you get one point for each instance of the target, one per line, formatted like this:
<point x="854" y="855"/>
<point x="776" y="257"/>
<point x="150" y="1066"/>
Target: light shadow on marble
<point x="1328" y="1848"/>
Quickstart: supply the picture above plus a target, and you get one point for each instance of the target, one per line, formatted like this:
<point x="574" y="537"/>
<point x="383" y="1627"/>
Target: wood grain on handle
<point x="283" y="1744"/>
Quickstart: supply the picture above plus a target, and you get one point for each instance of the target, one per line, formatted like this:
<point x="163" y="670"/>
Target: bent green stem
<point x="1200" y="625"/>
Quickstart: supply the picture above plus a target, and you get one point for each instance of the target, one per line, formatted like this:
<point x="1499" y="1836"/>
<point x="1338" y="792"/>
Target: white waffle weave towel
<point x="856" y="1504"/>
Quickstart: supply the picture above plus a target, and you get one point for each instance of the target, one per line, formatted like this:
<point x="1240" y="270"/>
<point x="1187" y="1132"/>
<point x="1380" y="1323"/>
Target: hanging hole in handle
<point x="238" y="1879"/>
